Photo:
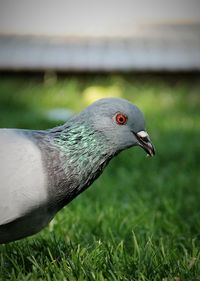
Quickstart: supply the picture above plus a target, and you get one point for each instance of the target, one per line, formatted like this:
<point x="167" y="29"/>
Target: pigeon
<point x="41" y="171"/>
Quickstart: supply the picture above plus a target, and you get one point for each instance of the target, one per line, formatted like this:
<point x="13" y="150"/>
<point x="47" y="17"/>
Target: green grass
<point x="141" y="218"/>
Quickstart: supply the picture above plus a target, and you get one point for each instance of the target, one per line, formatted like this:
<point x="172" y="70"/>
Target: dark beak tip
<point x="152" y="153"/>
<point x="145" y="142"/>
<point x="151" y="150"/>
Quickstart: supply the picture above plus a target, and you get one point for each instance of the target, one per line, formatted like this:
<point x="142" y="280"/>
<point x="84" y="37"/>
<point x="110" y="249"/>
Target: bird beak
<point x="145" y="142"/>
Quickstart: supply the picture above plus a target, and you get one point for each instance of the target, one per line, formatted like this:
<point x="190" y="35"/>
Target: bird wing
<point x="23" y="181"/>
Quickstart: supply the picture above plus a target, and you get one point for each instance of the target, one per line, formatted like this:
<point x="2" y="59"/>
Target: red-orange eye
<point x="121" y="119"/>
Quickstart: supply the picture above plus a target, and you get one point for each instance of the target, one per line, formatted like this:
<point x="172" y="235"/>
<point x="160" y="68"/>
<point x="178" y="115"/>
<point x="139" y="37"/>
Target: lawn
<point x="141" y="219"/>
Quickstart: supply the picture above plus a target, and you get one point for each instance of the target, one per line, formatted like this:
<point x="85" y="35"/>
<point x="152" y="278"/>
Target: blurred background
<point x="140" y="220"/>
<point x="99" y="35"/>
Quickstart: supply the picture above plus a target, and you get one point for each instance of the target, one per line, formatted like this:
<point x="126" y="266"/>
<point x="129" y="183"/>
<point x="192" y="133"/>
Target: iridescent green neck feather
<point x="84" y="152"/>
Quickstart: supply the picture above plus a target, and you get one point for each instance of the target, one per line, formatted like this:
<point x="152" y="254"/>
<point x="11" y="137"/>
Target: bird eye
<point x="121" y="119"/>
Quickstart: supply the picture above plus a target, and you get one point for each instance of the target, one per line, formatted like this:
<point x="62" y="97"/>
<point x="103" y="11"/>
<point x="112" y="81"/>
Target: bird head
<point x="121" y="122"/>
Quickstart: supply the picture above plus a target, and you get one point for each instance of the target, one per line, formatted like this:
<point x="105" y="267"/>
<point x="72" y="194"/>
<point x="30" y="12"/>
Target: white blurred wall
<point x="104" y="18"/>
<point x="100" y="35"/>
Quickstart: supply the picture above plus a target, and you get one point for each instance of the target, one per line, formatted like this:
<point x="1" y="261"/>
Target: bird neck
<point x="82" y="146"/>
<point x="83" y="154"/>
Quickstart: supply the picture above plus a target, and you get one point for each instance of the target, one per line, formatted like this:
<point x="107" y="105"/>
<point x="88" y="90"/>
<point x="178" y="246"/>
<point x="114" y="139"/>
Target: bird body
<point x="42" y="171"/>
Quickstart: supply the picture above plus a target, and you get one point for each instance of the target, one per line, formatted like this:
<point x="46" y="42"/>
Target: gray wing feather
<point x="23" y="182"/>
